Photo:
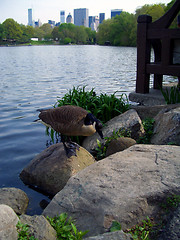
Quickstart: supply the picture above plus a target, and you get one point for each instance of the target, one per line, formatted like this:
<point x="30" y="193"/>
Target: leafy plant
<point x="23" y="233"/>
<point x="172" y="96"/>
<point x="171" y="202"/>
<point x="102" y="147"/>
<point x="65" y="227"/>
<point x="116" y="226"/>
<point x="142" y="230"/>
<point x="148" y="125"/>
<point x="104" y="107"/>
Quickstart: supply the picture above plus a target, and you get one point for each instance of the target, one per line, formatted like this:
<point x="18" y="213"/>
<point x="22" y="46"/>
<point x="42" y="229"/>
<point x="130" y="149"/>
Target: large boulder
<point x="127" y="187"/>
<point x="118" y="235"/>
<point x="39" y="227"/>
<point x="167" y="127"/>
<point x="119" y="144"/>
<point x="8" y="222"/>
<point x="50" y="170"/>
<point x="15" y="198"/>
<point x="172" y="229"/>
<point x="151" y="111"/>
<point x="128" y="120"/>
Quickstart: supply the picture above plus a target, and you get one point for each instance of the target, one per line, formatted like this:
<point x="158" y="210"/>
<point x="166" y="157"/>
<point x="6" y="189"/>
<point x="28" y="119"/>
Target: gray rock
<point x="8" y="222"/>
<point x="127" y="187"/>
<point x="172" y="229"/>
<point x="39" y="227"/>
<point x="154" y="97"/>
<point x="51" y="169"/>
<point x="167" y="127"/>
<point x="152" y="111"/>
<point x="119" y="144"/>
<point x="118" y="235"/>
<point x="128" y="120"/>
<point x="15" y="198"/>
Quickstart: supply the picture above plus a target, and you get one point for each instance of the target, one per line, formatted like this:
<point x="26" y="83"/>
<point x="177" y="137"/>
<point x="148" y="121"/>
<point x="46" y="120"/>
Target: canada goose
<point x="71" y="121"/>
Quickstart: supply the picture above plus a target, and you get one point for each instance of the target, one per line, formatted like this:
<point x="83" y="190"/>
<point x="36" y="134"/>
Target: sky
<point x="50" y="9"/>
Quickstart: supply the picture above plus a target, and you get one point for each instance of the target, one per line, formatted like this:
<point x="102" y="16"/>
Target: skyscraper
<point x="101" y="17"/>
<point x="94" y="23"/>
<point x="81" y="17"/>
<point x="62" y="16"/>
<point x="30" y="22"/>
<point x="69" y="18"/>
<point x="115" y="12"/>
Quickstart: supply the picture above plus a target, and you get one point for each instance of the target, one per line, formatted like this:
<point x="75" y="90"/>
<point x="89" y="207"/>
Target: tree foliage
<point x="12" y="30"/>
<point x="118" y="31"/>
<point x="1" y="32"/>
<point x="27" y="33"/>
<point x="75" y="34"/>
<point x="155" y="10"/>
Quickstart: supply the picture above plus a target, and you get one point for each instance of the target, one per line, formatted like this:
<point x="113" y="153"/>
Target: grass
<point x="142" y="230"/>
<point x="103" y="106"/>
<point x="65" y="227"/>
<point x="171" y="203"/>
<point x="138" y="232"/>
<point x="172" y="96"/>
<point x="148" y="125"/>
<point x="23" y="232"/>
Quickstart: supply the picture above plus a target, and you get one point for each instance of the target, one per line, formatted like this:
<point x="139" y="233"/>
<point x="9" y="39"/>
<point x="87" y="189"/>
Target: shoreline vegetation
<point x="119" y="31"/>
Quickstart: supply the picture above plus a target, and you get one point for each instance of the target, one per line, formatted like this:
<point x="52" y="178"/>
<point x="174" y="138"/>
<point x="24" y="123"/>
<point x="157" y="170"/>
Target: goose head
<point x="90" y="119"/>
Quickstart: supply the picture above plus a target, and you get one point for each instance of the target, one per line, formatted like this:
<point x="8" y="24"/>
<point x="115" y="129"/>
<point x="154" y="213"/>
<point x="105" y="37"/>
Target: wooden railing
<point x="156" y="35"/>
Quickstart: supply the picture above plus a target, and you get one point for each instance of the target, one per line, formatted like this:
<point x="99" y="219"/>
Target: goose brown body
<point x="67" y="120"/>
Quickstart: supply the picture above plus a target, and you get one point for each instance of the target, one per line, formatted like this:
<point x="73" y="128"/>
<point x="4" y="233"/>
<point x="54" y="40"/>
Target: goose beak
<point x="99" y="127"/>
<point x="100" y="133"/>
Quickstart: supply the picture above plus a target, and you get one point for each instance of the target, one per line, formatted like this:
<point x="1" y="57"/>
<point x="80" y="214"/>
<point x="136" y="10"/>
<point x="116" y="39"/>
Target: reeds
<point x="104" y="106"/>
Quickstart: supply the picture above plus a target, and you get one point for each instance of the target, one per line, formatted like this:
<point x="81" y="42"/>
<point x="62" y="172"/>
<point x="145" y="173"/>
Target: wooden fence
<point x="166" y="45"/>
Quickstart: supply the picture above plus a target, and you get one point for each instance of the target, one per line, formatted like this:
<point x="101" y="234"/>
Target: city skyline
<point x="45" y="10"/>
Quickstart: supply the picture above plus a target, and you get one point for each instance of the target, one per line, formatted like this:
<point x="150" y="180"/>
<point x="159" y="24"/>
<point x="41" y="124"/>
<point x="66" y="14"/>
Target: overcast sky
<point x="50" y="9"/>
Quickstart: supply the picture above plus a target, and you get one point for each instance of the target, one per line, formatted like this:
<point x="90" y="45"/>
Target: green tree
<point x="1" y="32"/>
<point x="67" y="30"/>
<point x="12" y="30"/>
<point x="81" y="35"/>
<point x="119" y="31"/>
<point x="154" y="10"/>
<point x="28" y="33"/>
<point x="46" y="28"/>
<point x="91" y="35"/>
<point x="55" y="33"/>
<point x="103" y="34"/>
<point x="38" y="33"/>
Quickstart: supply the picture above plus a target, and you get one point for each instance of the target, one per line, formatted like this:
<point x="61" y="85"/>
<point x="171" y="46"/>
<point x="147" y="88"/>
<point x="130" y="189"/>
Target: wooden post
<point x="143" y="54"/>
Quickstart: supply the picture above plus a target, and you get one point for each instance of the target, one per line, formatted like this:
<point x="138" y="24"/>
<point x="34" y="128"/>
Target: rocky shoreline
<point x="127" y="186"/>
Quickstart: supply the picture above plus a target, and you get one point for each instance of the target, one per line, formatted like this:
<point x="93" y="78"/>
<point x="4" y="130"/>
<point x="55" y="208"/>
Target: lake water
<point x="32" y="77"/>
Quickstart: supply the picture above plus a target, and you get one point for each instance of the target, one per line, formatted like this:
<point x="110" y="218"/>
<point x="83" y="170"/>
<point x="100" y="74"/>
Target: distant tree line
<point x="118" y="31"/>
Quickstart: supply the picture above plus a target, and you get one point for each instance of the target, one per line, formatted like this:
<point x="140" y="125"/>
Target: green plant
<point x="104" y="107"/>
<point x="148" y="125"/>
<point x="23" y="232"/>
<point x="171" y="202"/>
<point x="172" y="96"/>
<point x="116" y="226"/>
<point x="102" y="147"/>
<point x="65" y="227"/>
<point x="142" y="230"/>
